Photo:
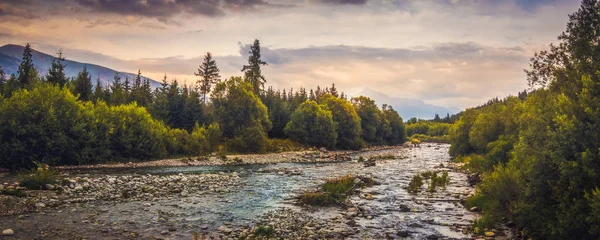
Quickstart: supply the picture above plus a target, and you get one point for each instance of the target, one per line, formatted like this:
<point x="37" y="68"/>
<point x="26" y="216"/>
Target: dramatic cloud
<point x="446" y="52"/>
<point x="354" y="2"/>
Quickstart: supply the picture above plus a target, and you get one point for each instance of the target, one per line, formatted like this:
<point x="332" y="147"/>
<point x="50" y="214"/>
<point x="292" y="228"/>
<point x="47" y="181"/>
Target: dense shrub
<point x="312" y="124"/>
<point x="49" y="125"/>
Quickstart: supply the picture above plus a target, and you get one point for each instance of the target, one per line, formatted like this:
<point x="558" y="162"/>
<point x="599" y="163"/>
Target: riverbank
<point x="229" y="201"/>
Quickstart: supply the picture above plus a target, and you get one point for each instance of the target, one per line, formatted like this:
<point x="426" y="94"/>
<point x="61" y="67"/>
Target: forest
<point x="56" y="120"/>
<point x="538" y="152"/>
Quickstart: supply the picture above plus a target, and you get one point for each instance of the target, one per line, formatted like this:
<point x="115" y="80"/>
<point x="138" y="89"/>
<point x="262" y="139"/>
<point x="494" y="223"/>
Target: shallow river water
<point x="392" y="208"/>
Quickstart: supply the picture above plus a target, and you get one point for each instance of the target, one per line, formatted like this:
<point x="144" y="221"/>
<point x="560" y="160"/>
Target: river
<point x="391" y="210"/>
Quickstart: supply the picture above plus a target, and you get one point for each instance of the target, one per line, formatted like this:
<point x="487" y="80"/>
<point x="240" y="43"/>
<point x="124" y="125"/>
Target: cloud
<point x="351" y="2"/>
<point x="446" y="74"/>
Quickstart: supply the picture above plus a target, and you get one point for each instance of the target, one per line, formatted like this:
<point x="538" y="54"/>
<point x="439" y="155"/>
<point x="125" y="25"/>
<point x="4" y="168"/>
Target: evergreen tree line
<point x="539" y="152"/>
<point x="61" y="121"/>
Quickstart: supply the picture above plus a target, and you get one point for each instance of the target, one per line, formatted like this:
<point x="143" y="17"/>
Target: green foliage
<point x="39" y="177"/>
<point x="27" y="74"/>
<point x="50" y="125"/>
<point x="415" y="184"/>
<point x="370" y="117"/>
<point x="335" y="190"/>
<point x="544" y="146"/>
<point x="347" y="121"/>
<point x="437" y="181"/>
<point x="264" y="231"/>
<point x="312" y="124"/>
<point x="56" y="73"/>
<point x="209" y="75"/>
<point x="242" y="116"/>
<point x="252" y="71"/>
<point x="83" y="85"/>
<point x="429" y="128"/>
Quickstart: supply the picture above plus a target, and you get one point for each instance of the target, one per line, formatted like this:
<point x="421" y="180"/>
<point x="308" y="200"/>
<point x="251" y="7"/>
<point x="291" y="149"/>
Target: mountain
<point x="11" y="55"/>
<point x="409" y="108"/>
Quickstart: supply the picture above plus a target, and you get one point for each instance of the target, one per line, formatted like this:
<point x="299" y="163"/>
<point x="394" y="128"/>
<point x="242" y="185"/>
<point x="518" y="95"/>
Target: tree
<point x="242" y="115"/>
<point x="83" y="85"/>
<point x="27" y="72"/>
<point x="252" y="71"/>
<point x="159" y="108"/>
<point x="312" y="124"/>
<point x="99" y="93"/>
<point x="397" y="132"/>
<point x="118" y="95"/>
<point x="2" y="79"/>
<point x="209" y="75"/>
<point x="369" y="117"/>
<point x="347" y="121"/>
<point x="56" y="73"/>
<point x="333" y="91"/>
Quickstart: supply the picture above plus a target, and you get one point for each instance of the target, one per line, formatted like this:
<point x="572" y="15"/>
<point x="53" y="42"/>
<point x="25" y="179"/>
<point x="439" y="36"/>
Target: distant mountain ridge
<point x="408" y="108"/>
<point x="11" y="55"/>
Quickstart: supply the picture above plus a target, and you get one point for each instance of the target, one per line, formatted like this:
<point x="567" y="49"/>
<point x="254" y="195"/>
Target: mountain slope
<point x="408" y="108"/>
<point x="11" y="55"/>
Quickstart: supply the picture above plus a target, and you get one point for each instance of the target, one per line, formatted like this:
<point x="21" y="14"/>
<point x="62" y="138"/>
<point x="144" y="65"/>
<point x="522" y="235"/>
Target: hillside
<point x="408" y="108"/>
<point x="10" y="58"/>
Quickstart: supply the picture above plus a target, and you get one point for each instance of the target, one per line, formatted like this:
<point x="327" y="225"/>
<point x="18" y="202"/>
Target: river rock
<point x="403" y="233"/>
<point x="49" y="186"/>
<point x="474" y="209"/>
<point x="40" y="205"/>
<point x="404" y="208"/>
<point x="224" y="229"/>
<point x="489" y="234"/>
<point x="8" y="232"/>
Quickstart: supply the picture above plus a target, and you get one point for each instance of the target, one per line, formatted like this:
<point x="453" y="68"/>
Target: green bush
<point x="312" y="124"/>
<point x="335" y="190"/>
<point x="415" y="184"/>
<point x="39" y="177"/>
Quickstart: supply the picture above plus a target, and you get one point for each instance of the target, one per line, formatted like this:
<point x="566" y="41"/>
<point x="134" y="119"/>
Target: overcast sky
<point x="452" y="53"/>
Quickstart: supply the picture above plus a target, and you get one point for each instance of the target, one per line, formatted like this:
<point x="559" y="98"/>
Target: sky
<point x="451" y="53"/>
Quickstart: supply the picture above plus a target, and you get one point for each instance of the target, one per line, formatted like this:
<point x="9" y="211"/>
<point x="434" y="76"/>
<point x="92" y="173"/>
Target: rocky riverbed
<point x="181" y="201"/>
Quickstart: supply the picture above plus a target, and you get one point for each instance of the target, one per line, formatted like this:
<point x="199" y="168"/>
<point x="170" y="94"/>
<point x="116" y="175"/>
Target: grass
<point x="39" y="177"/>
<point x="13" y="192"/>
<point x="335" y="190"/>
<point x="431" y="139"/>
<point x="264" y="231"/>
<point x="415" y="184"/>
<point x="435" y="181"/>
<point x="276" y="145"/>
<point x="438" y="181"/>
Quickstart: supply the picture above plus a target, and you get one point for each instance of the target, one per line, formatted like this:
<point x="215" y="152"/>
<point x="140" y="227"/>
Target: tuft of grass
<point x="237" y="160"/>
<point x="264" y="231"/>
<point x="13" y="192"/>
<point x="438" y="181"/>
<point x="39" y="177"/>
<point x="335" y="190"/>
<point x="222" y="156"/>
<point x="415" y="184"/>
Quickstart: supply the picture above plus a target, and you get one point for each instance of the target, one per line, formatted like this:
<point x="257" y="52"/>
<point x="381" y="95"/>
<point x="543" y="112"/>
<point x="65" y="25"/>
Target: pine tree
<point x="118" y="95"/>
<point x="333" y="91"/>
<point x="252" y="70"/>
<point x="83" y="85"/>
<point x="56" y="73"/>
<point x="27" y="72"/>
<point x="99" y="91"/>
<point x="127" y="88"/>
<point x="2" y="79"/>
<point x="209" y="75"/>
